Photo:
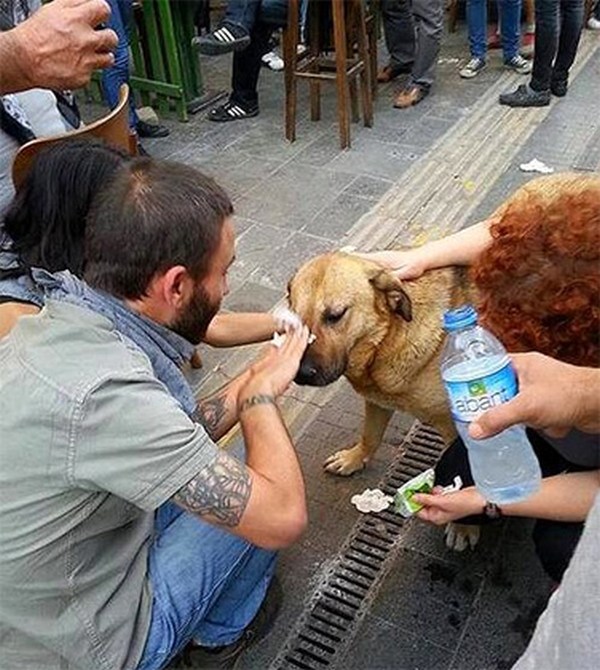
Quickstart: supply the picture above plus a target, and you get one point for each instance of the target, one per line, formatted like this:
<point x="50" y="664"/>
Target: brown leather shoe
<point x="409" y="96"/>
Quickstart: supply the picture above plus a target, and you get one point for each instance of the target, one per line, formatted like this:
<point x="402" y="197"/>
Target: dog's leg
<point x="347" y="461"/>
<point x="459" y="536"/>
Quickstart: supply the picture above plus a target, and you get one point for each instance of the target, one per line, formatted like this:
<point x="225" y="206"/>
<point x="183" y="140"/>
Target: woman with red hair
<point x="536" y="265"/>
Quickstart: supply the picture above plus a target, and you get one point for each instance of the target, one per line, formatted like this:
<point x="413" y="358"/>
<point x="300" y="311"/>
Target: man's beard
<point x="193" y="321"/>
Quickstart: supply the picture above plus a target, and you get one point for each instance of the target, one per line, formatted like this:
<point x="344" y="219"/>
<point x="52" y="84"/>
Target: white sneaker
<point x="472" y="68"/>
<point x="593" y="23"/>
<point x="273" y="61"/>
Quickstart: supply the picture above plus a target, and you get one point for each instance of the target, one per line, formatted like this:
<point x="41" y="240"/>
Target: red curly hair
<point x="539" y="280"/>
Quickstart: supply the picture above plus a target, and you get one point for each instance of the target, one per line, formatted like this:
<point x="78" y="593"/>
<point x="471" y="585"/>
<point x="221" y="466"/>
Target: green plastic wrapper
<point x="422" y="483"/>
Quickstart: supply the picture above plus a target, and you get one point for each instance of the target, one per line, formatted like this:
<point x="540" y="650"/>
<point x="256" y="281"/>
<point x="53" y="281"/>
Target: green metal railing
<point x="166" y="71"/>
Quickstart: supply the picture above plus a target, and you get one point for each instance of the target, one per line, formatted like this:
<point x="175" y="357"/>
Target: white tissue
<point x="536" y="165"/>
<point x="371" y="500"/>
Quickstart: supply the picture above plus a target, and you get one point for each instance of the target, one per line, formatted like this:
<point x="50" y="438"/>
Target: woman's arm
<point x="565" y="497"/>
<point x="461" y="248"/>
<point x="234" y="329"/>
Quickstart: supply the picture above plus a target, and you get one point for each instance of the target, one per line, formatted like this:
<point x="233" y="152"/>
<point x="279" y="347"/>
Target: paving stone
<point x="504" y="616"/>
<point x="252" y="298"/>
<point x="378" y="645"/>
<point x="335" y="220"/>
<point x="428" y="597"/>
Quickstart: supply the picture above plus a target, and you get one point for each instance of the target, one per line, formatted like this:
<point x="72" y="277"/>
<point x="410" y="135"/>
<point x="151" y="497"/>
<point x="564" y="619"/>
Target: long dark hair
<point x="47" y="217"/>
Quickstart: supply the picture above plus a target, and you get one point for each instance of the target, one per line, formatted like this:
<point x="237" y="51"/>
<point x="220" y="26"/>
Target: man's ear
<point x="175" y="285"/>
<point x="396" y="297"/>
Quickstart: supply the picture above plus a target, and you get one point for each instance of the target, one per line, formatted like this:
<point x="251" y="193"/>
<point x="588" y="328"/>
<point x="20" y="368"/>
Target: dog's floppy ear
<point x="395" y="295"/>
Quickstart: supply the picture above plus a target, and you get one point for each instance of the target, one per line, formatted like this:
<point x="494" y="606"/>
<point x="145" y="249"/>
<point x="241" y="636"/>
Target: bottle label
<point x="469" y="399"/>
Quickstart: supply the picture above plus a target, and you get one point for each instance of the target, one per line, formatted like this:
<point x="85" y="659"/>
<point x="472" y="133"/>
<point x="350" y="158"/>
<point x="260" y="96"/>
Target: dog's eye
<point x="331" y="317"/>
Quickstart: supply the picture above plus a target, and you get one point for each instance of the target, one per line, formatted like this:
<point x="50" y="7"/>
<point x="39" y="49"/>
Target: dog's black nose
<point x="307" y="373"/>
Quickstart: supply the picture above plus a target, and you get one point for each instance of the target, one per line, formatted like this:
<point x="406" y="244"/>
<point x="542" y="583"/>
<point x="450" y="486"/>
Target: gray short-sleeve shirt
<point x="91" y="443"/>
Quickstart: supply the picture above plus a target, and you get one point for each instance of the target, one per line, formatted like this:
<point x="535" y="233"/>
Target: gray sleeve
<point x="133" y="440"/>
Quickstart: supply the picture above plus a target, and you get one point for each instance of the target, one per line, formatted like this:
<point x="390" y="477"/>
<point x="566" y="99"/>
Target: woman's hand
<point x="409" y="264"/>
<point x="441" y="509"/>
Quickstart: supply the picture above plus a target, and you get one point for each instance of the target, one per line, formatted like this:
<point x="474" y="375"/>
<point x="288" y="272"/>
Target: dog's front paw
<point x="346" y="461"/>
<point x="460" y="536"/>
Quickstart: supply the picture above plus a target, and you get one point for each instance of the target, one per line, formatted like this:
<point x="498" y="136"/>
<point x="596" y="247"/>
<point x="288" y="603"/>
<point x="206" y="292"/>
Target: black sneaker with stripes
<point x="231" y="111"/>
<point x="227" y="37"/>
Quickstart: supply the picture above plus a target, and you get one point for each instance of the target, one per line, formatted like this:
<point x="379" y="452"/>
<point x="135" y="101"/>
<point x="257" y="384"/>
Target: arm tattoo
<point x="219" y="492"/>
<point x="211" y="413"/>
<point x="260" y="399"/>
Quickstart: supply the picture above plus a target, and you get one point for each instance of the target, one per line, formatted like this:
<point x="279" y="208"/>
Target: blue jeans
<point x="207" y="584"/>
<point x="510" y="19"/>
<point x="558" y="25"/>
<point x="243" y="12"/>
<point x="113" y="77"/>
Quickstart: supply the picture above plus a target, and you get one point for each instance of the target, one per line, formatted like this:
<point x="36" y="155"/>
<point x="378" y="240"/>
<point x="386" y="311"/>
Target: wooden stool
<point x="351" y="63"/>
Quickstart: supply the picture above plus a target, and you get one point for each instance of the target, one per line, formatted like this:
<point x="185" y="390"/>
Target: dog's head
<point x="347" y="303"/>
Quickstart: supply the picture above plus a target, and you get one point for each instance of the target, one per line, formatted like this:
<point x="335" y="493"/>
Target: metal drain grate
<point x="350" y="584"/>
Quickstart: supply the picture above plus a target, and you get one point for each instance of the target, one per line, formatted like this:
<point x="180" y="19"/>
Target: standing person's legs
<point x="547" y="17"/>
<point x="429" y="21"/>
<point x="477" y="25"/>
<point x="399" y="31"/>
<point x="207" y="585"/>
<point x="572" y="14"/>
<point x="113" y="77"/>
<point x="510" y="27"/>
<point x="243" y="101"/>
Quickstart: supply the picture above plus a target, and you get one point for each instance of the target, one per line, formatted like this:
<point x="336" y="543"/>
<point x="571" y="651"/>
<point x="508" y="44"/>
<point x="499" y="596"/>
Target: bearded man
<point x="126" y="534"/>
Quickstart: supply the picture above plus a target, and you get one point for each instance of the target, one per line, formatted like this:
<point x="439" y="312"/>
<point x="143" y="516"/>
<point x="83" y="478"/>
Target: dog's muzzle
<point x="312" y="374"/>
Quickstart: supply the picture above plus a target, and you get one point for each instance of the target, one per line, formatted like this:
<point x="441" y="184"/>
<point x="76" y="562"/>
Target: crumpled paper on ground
<point x="371" y="500"/>
<point x="536" y="165"/>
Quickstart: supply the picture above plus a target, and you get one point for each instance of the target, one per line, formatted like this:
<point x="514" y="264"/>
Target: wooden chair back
<point x="112" y="128"/>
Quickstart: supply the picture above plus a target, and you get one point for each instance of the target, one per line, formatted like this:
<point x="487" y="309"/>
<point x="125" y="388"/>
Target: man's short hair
<point x="152" y="216"/>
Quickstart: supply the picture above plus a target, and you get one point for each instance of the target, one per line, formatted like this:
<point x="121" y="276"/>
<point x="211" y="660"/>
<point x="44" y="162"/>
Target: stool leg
<point x="314" y="32"/>
<point x="339" y="41"/>
<point x="363" y="54"/>
<point x="291" y="36"/>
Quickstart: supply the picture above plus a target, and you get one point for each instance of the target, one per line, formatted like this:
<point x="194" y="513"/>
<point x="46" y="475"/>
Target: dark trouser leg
<point x="572" y="12"/>
<point x="399" y="30"/>
<point x="555" y="543"/>
<point x="246" y="63"/>
<point x="246" y="67"/>
<point x="547" y="17"/>
<point x="429" y="25"/>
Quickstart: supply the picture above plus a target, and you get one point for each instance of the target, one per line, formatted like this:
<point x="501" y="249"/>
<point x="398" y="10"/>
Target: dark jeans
<point x="554" y="541"/>
<point x="558" y="25"/>
<point x="243" y="12"/>
<point x="246" y="64"/>
<point x="113" y="77"/>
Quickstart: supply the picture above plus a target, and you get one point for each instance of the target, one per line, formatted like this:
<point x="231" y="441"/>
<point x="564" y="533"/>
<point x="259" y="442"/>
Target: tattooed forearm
<point x="211" y="414"/>
<point x="219" y="492"/>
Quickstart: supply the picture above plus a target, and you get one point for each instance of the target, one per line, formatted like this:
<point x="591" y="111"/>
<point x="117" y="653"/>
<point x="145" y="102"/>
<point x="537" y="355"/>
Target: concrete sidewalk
<point x="416" y="175"/>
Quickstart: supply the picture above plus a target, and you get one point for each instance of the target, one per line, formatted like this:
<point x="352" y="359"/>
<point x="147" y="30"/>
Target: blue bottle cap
<point x="460" y="317"/>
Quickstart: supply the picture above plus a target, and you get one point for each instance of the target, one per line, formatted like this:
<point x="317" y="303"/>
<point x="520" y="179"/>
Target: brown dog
<point x="384" y="335"/>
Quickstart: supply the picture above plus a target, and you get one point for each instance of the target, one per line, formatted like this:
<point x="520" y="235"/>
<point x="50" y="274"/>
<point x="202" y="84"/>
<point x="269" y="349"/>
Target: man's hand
<point x="553" y="397"/>
<point x="57" y="47"/>
<point x="276" y="369"/>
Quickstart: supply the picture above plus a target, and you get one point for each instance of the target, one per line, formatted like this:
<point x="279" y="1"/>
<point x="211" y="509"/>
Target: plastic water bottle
<point x="478" y="375"/>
